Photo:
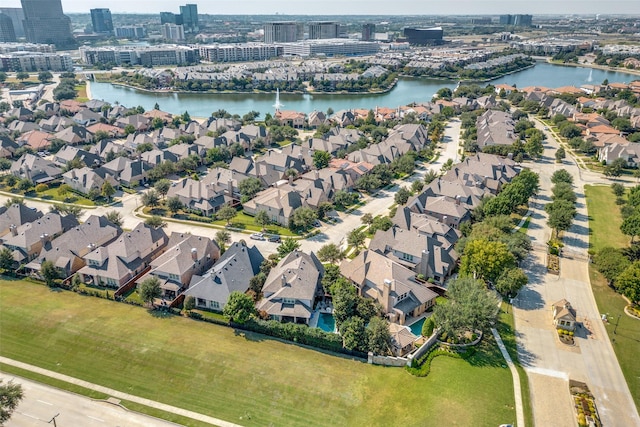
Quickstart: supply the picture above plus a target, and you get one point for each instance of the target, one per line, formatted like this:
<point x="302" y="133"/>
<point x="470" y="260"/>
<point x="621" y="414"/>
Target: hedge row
<point x="422" y="366"/>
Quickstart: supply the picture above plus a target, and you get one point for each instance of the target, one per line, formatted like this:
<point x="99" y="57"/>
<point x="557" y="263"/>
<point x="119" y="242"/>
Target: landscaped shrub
<point x="41" y="188"/>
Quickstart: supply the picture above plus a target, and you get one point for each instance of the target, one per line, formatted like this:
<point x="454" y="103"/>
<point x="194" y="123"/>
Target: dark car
<point x="274" y="238"/>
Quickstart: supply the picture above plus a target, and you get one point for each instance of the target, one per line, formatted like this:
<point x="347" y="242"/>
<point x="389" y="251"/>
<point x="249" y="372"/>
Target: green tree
<point x="378" y="336"/>
<point x="129" y="129"/>
<point x="10" y="396"/>
<point x="345" y="301"/>
<point x="149" y="290"/>
<point x="367" y="219"/>
<point x="6" y="260"/>
<point x="174" y="204"/>
<point x="114" y="217"/>
<point x="417" y="186"/>
<point x="563" y="191"/>
<point x="618" y="189"/>
<point x="227" y="213"/>
<point x="561" y="213"/>
<point x="151" y="198"/>
<point x="45" y="76"/>
<point x="615" y="168"/>
<point x="610" y="262"/>
<point x="354" y="335"/>
<point x="430" y="176"/>
<point x="155" y="221"/>
<point x="470" y="307"/>
<point x="330" y="253"/>
<point x="22" y="75"/>
<point x="189" y="303"/>
<point x="628" y="282"/>
<point x="631" y="226"/>
<point x="239" y="307"/>
<point x="100" y="136"/>
<point x="562" y="175"/>
<point x="511" y="281"/>
<point x="49" y="273"/>
<point x="356" y="238"/>
<point x="24" y="185"/>
<point x="304" y="217"/>
<point x="162" y="186"/>
<point x="402" y="196"/>
<point x="428" y="326"/>
<point x="287" y="246"/>
<point x="107" y="190"/>
<point x="249" y="187"/>
<point x="534" y="147"/>
<point x="483" y="259"/>
<point x="321" y="159"/>
<point x="3" y="76"/>
<point x="560" y="154"/>
<point x="343" y="198"/>
<point x="222" y="238"/>
<point x="262" y="219"/>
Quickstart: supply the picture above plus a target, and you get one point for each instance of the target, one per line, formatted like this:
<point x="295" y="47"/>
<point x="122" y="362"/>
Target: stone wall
<point x="386" y="360"/>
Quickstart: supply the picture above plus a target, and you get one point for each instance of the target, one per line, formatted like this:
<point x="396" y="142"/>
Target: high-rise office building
<point x="101" y="20"/>
<point x="16" y="15"/>
<point x="516" y="20"/>
<point x="323" y="30"/>
<point x="170" y="18"/>
<point x="189" y="13"/>
<point x="45" y="22"/>
<point x="368" y="32"/>
<point x="424" y="36"/>
<point x="281" y="32"/>
<point x="7" y="33"/>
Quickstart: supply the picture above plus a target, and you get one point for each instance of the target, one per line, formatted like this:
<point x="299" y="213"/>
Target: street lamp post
<point x="54" y="420"/>
<point x="617" y="322"/>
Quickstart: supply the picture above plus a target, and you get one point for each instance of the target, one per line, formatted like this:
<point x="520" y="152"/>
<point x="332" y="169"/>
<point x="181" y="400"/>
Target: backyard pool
<point x="326" y="322"/>
<point x="416" y="328"/>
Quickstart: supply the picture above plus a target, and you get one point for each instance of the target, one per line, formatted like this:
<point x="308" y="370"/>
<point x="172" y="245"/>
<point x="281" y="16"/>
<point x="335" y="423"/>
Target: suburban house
<point x="128" y="172"/>
<point x="69" y="153"/>
<point x="26" y="241"/>
<point x="279" y="203"/>
<point x="630" y="153"/>
<point x="390" y="284"/>
<point x="564" y="316"/>
<point x="425" y="255"/>
<point x="120" y="261"/>
<point x="74" y="135"/>
<point x="495" y="128"/>
<point x="35" y="169"/>
<point x="187" y="255"/>
<point x="198" y="196"/>
<point x="291" y="288"/>
<point x="232" y="272"/>
<point x="445" y="209"/>
<point x="67" y="252"/>
<point x="291" y="118"/>
<point x="16" y="215"/>
<point x="86" y="179"/>
<point x="7" y="147"/>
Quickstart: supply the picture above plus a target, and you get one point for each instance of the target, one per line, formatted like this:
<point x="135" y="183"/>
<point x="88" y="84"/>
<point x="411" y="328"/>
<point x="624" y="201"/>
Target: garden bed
<point x="553" y="264"/>
<point x="584" y="404"/>
<point x="565" y="337"/>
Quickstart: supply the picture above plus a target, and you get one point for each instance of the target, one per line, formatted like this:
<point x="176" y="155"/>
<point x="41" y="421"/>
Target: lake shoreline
<point x="597" y="67"/>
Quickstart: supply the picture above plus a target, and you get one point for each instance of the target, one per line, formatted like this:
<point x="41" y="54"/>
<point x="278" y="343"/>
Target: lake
<point x="408" y="90"/>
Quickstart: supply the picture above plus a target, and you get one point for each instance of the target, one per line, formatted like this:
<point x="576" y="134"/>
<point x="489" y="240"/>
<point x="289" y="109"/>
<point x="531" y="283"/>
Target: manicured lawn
<point x="604" y="225"/>
<point x="247" y="222"/>
<point x="52" y="194"/>
<point x="237" y="376"/>
<point x="604" y="218"/>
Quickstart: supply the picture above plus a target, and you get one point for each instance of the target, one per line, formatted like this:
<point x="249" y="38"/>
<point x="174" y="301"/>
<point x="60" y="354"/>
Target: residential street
<point x="41" y="403"/>
<point x="549" y="363"/>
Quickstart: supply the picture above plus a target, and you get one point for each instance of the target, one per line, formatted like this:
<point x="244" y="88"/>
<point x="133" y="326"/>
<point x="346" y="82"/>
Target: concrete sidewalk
<point x="517" y="391"/>
<point x="119" y="395"/>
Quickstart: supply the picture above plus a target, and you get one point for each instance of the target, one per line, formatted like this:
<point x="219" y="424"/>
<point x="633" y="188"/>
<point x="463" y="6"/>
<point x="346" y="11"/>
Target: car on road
<point x="274" y="238"/>
<point x="316" y="223"/>
<point x="257" y="236"/>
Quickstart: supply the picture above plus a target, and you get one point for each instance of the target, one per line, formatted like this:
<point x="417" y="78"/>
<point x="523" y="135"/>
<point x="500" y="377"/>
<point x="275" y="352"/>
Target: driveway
<point x="550" y="364"/>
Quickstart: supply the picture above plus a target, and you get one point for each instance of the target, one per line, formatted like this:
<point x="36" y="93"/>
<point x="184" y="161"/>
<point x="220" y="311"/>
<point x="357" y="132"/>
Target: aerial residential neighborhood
<point x="298" y="220"/>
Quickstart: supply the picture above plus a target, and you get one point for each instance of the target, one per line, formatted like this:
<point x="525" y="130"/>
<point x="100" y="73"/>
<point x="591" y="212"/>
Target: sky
<point x="359" y="7"/>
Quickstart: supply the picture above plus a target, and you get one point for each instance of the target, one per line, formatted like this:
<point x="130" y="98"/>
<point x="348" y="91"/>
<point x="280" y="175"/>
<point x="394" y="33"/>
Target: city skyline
<point x="360" y="7"/>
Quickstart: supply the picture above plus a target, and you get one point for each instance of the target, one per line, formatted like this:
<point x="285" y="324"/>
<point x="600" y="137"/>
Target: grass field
<point x="241" y="377"/>
<point x="604" y="225"/>
<point x="604" y="218"/>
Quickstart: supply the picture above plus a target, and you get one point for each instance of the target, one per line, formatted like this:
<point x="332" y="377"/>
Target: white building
<point x="173" y="32"/>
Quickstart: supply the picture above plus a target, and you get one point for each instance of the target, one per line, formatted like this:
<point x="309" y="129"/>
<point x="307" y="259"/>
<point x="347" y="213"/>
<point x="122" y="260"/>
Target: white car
<point x="257" y="236"/>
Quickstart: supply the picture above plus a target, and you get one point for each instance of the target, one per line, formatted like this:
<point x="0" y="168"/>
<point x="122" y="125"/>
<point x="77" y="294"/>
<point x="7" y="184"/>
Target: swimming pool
<point x="326" y="322"/>
<point x="416" y="328"/>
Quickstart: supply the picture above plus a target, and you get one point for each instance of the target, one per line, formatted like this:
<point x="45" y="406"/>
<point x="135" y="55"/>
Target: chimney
<point x="284" y="280"/>
<point x="194" y="254"/>
<point x="386" y="295"/>
<point x="13" y="229"/>
<point x="317" y="174"/>
<point x="230" y="187"/>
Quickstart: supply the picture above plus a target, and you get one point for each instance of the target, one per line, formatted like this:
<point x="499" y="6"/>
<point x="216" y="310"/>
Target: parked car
<point x="317" y="223"/>
<point x="274" y="238"/>
<point x="257" y="236"/>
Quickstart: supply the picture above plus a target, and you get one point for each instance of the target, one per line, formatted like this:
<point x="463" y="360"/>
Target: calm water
<point x="326" y="322"/>
<point x="406" y="92"/>
<point x="416" y="328"/>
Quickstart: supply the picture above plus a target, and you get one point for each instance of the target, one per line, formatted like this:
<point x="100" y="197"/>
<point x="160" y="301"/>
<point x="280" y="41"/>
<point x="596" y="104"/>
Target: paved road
<point x="41" y="403"/>
<point x="549" y="364"/>
<point x="116" y="394"/>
